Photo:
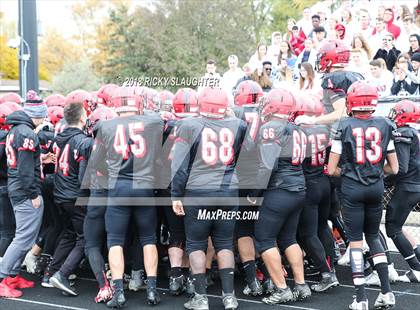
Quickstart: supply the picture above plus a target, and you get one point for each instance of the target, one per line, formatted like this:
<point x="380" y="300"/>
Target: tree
<point x="9" y="64"/>
<point x="76" y="75"/>
<point x="176" y="38"/>
<point x="54" y="50"/>
<point x="284" y="9"/>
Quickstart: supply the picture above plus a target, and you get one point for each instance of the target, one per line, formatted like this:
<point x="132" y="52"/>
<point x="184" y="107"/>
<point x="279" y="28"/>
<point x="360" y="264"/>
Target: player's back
<point x="317" y="140"/>
<point x="132" y="145"/>
<point x="365" y="143"/>
<point x="216" y="149"/>
<point x="407" y="146"/>
<point x="287" y="171"/>
<point x="247" y="166"/>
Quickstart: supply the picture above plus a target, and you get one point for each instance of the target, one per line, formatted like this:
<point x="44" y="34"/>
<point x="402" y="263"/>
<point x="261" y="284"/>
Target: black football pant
<point x="7" y="221"/>
<point x="70" y="248"/>
<point x="52" y="221"/>
<point x="221" y="230"/>
<point x="117" y="215"/>
<point x="362" y="208"/>
<point x="175" y="223"/>
<point x="278" y="219"/>
<point x="95" y="236"/>
<point x="314" y="220"/>
<point x="397" y="212"/>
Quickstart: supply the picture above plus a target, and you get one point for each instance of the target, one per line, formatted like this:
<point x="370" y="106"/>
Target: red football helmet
<point x="280" y="103"/>
<point x="213" y="102"/>
<point x="105" y="93"/>
<point x="126" y="99"/>
<point x="332" y="53"/>
<point x="7" y="108"/>
<point x="185" y="103"/>
<point x="308" y="104"/>
<point x="82" y="96"/>
<point x="361" y="97"/>
<point x="55" y="114"/>
<point x="11" y="97"/>
<point x="102" y="113"/>
<point x="149" y="95"/>
<point x="248" y="93"/>
<point x="405" y="111"/>
<point x="55" y="100"/>
<point x="164" y="100"/>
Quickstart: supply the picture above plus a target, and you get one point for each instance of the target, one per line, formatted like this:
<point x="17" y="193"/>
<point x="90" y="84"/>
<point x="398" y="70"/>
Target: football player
<point x="280" y="173"/>
<point x="7" y="218"/>
<point x="24" y="190"/>
<point x="314" y="218"/>
<point x="184" y="105"/>
<point x="94" y="224"/>
<point x="72" y="148"/>
<point x="405" y="114"/>
<point x="204" y="180"/>
<point x="247" y="99"/>
<point x="130" y="143"/>
<point x="361" y="144"/>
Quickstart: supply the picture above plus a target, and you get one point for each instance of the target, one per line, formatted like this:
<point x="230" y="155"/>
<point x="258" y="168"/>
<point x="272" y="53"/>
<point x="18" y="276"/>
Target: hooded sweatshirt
<point x="392" y="28"/>
<point x="72" y="149"/>
<point x="23" y="154"/>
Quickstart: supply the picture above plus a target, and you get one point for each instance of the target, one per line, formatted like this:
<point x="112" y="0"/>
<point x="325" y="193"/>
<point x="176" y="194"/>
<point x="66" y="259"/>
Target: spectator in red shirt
<point x="391" y="27"/>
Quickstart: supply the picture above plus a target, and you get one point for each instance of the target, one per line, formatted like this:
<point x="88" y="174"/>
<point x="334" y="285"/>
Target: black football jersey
<point x="23" y="158"/>
<point x="46" y="142"/>
<point x="364" y="146"/>
<point x="317" y="141"/>
<point x="281" y="151"/>
<point x="72" y="149"/>
<point x="3" y="158"/>
<point x="205" y="154"/>
<point x="407" y="147"/>
<point x="165" y="159"/>
<point x="335" y="86"/>
<point x="132" y="145"/>
<point x="247" y="165"/>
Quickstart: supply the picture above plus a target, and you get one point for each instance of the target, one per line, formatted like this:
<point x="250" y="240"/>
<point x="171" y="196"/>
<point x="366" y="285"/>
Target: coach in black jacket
<point x="24" y="187"/>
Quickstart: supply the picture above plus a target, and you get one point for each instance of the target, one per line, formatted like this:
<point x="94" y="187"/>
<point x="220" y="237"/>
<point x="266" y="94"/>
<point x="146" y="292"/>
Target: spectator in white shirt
<point x="380" y="32"/>
<point x="364" y="24"/>
<point x="274" y="49"/>
<point x="259" y="56"/>
<point x="211" y="78"/>
<point x="306" y="23"/>
<point x="358" y="64"/>
<point x="381" y="77"/>
<point x="231" y="77"/>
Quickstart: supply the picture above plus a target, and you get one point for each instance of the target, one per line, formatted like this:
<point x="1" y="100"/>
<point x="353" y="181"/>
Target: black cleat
<point x="189" y="286"/>
<point x="176" y="285"/>
<point x="268" y="286"/>
<point x="153" y="297"/>
<point x="62" y="283"/>
<point x="329" y="280"/>
<point x="118" y="300"/>
<point x="301" y="291"/>
<point x="253" y="289"/>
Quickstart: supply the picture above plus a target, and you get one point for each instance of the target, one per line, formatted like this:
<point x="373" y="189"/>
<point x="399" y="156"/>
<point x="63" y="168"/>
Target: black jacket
<point x="72" y="149"/>
<point x="389" y="57"/>
<point x="23" y="158"/>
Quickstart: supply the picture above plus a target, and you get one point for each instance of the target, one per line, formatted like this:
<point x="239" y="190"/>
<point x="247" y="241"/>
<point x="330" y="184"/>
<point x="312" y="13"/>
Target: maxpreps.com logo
<point x="211" y="215"/>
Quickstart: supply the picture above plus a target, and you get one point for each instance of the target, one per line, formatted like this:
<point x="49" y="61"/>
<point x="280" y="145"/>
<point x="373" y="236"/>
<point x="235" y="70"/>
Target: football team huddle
<point x="131" y="169"/>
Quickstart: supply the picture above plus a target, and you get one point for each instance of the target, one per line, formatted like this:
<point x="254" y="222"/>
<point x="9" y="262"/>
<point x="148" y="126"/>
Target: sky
<point x="52" y="13"/>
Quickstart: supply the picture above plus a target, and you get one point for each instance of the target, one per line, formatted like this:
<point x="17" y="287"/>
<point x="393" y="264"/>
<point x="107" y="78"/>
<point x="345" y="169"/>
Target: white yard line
<point x="45" y="304"/>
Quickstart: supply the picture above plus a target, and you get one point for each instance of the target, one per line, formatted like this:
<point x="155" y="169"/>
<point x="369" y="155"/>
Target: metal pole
<point x="29" y="39"/>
